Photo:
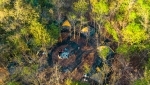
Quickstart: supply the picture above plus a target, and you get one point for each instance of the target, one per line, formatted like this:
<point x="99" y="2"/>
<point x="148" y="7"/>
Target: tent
<point x="66" y="23"/>
<point x="87" y="31"/>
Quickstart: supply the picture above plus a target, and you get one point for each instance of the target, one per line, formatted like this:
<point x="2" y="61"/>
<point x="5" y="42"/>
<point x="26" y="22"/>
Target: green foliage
<point x="119" y="17"/>
<point x="126" y="11"/>
<point x="134" y="34"/>
<point x="16" y="40"/>
<point x="29" y="70"/>
<point x="13" y="83"/>
<point x="86" y="68"/>
<point x="2" y="2"/>
<point x="18" y="16"/>
<point x="42" y="3"/>
<point x="26" y="71"/>
<point x="80" y="7"/>
<point x="126" y="49"/>
<point x="111" y="31"/>
<point x="25" y="29"/>
<point x="72" y="17"/>
<point x="70" y="82"/>
<point x="100" y="7"/>
<point x="123" y="49"/>
<point x="103" y="51"/>
<point x="132" y="16"/>
<point x="40" y="35"/>
<point x="144" y="7"/>
<point x="145" y="80"/>
<point x="99" y="10"/>
<point x="54" y="32"/>
<point x="23" y="13"/>
<point x="123" y="6"/>
<point x="18" y="44"/>
<point x="34" y="67"/>
<point x="25" y="36"/>
<point x="32" y="2"/>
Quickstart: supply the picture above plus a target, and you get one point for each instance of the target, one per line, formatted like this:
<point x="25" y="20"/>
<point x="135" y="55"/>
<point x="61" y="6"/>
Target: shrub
<point x="71" y="82"/>
<point x="145" y="80"/>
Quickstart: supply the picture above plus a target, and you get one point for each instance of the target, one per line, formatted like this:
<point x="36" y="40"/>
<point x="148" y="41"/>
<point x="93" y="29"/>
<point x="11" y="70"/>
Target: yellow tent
<point x="85" y="29"/>
<point x="66" y="23"/>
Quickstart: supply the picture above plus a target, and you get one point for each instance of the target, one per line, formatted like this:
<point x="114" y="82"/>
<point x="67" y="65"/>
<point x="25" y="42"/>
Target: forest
<point x="74" y="42"/>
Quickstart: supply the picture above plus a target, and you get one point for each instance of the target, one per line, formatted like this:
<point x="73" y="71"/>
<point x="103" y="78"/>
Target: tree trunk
<point x="97" y="43"/>
<point x="87" y="39"/>
<point x="74" y="31"/>
<point x="99" y="32"/>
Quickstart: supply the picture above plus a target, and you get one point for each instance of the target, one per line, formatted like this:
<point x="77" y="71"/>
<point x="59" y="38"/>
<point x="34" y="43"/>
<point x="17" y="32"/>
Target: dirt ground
<point x="122" y="71"/>
<point x="86" y="55"/>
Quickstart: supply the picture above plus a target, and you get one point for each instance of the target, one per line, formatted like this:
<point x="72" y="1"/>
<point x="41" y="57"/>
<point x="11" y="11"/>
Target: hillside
<point x="74" y="42"/>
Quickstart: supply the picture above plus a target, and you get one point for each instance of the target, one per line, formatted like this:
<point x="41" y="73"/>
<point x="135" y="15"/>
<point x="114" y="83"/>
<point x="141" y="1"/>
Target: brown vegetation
<point x="3" y="75"/>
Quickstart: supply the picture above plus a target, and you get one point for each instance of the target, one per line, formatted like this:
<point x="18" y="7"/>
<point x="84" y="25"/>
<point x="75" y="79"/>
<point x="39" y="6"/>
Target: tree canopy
<point x="28" y="27"/>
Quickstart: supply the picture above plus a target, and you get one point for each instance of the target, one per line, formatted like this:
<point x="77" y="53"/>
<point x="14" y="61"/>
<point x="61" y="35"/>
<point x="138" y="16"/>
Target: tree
<point x="57" y="9"/>
<point x="73" y="18"/>
<point x="80" y="7"/>
<point x="40" y="35"/>
<point x="143" y="8"/>
<point x="99" y="12"/>
<point x="136" y="33"/>
<point x="24" y="35"/>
